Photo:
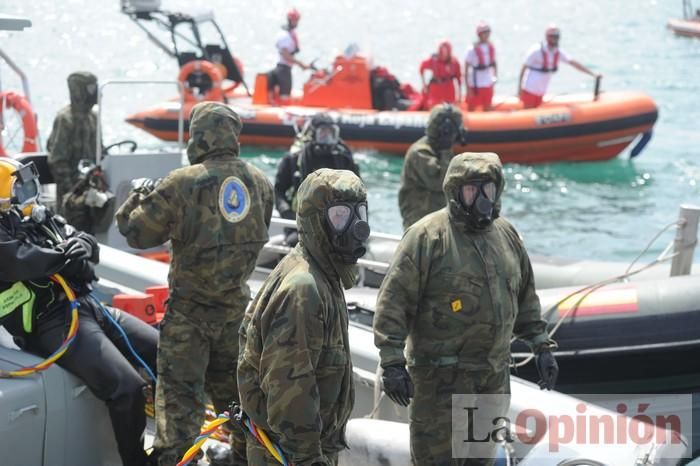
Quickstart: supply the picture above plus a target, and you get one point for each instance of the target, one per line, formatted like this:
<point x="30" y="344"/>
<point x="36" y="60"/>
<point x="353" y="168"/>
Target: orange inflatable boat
<point x="564" y="128"/>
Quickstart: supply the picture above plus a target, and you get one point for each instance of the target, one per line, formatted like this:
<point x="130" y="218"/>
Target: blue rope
<point x="126" y="338"/>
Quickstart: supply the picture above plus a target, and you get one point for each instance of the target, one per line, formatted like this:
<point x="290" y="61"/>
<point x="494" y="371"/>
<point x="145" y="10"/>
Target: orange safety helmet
<point x="293" y="15"/>
<point x="19" y="186"/>
<point x="483" y="26"/>
<point x="552" y="30"/>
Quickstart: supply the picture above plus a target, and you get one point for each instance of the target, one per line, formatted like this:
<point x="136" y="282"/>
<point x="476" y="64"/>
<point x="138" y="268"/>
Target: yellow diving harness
<point x="19" y="296"/>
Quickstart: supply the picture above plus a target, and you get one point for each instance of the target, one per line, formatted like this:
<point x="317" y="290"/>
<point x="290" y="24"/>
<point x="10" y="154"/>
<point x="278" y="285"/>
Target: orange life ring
<point x="214" y="93"/>
<point x="21" y="105"/>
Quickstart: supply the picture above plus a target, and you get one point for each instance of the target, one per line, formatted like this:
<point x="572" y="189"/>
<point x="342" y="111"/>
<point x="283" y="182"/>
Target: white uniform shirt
<point x="285" y="41"/>
<point x="484" y="78"/>
<point x="536" y="82"/>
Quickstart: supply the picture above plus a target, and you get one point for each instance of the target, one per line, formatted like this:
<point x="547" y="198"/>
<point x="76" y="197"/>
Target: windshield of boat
<point x="185" y="35"/>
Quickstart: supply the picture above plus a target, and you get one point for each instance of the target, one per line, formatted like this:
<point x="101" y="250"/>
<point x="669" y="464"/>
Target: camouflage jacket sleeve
<point x="399" y="298"/>
<point x="148" y="220"/>
<point x="529" y="325"/>
<point x="424" y="167"/>
<point x="58" y="146"/>
<point x="292" y="341"/>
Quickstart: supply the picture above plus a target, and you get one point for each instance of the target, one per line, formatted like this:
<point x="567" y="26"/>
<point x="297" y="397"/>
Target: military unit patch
<point x="234" y="199"/>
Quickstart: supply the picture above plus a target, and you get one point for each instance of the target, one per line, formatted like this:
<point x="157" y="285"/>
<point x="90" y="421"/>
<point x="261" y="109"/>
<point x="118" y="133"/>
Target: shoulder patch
<point x="234" y="199"/>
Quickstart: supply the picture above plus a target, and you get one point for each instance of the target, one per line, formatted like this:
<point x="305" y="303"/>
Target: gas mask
<point x="324" y="143"/>
<point x="91" y="94"/>
<point x="447" y="133"/>
<point x="348" y="230"/>
<point x="478" y="198"/>
<point x="325" y="137"/>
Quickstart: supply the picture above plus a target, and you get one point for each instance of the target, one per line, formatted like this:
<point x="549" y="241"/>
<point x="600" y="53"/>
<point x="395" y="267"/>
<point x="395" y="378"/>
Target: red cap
<point x="483" y="26"/>
<point x="293" y="15"/>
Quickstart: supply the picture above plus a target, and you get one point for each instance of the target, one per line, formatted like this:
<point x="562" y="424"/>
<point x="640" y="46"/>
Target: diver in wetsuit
<point x="318" y="146"/>
<point x="35" y="244"/>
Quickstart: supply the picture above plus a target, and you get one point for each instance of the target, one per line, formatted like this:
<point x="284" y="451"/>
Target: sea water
<point x="603" y="210"/>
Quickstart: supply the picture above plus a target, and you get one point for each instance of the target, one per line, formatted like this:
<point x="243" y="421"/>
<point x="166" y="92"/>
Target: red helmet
<point x="445" y="45"/>
<point x="483" y="26"/>
<point x="293" y="15"/>
<point x="552" y="30"/>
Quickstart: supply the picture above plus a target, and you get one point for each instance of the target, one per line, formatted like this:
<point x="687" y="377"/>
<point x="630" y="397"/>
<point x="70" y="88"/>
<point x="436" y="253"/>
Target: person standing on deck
<point x="541" y="62"/>
<point x="480" y="70"/>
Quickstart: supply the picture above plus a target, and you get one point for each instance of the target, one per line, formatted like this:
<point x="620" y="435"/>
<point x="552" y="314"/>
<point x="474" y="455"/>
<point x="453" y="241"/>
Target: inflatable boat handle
<point x="641" y="144"/>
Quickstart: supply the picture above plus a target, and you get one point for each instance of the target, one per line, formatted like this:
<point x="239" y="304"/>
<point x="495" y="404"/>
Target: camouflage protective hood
<point x="82" y="87"/>
<point x="214" y="131"/>
<point x="437" y="115"/>
<point x="466" y="167"/>
<point x="316" y="193"/>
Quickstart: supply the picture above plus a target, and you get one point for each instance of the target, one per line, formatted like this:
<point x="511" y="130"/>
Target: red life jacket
<point x="480" y="56"/>
<point x="293" y="35"/>
<point x="545" y="62"/>
<point x="442" y="72"/>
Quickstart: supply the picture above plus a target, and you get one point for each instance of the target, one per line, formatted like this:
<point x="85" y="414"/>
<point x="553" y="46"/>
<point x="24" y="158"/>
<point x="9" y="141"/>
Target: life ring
<point x="204" y="75"/>
<point x="21" y="105"/>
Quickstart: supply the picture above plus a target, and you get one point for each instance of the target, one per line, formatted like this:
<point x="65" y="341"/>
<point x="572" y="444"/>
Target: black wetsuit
<point x="294" y="167"/>
<point x="98" y="355"/>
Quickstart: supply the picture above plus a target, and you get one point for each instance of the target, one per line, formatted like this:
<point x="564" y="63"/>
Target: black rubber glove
<point x="79" y="272"/>
<point x="547" y="368"/>
<point x="397" y="384"/>
<point x="145" y="185"/>
<point x="76" y="249"/>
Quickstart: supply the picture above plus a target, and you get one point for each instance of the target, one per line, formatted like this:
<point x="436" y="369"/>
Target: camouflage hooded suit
<point x="294" y="371"/>
<point x="424" y="170"/>
<point x="454" y="296"/>
<point x="74" y="134"/>
<point x="215" y="213"/>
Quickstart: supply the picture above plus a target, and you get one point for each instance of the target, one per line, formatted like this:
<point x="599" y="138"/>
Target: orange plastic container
<point x="160" y="295"/>
<point x="139" y="305"/>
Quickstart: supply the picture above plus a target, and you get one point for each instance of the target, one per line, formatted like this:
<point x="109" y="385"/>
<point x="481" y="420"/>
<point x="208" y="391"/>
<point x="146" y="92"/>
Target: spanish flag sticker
<point x="611" y="300"/>
<point x="456" y="305"/>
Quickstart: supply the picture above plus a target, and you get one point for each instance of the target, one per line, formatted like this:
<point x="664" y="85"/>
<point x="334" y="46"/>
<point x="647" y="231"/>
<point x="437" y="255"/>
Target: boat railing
<point x="376" y="266"/>
<point x="16" y="24"/>
<point x="293" y="224"/>
<point x="686" y="240"/>
<point x="132" y="82"/>
<point x="596" y="87"/>
<point x="687" y="9"/>
<point x="18" y="71"/>
<point x="683" y="246"/>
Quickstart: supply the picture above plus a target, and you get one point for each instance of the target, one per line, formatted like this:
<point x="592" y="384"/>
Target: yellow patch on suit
<point x="456" y="305"/>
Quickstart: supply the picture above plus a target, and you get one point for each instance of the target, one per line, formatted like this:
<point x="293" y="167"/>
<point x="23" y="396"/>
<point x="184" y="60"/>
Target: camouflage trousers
<point x="259" y="456"/>
<point x="62" y="190"/>
<point x="430" y="411"/>
<point x="197" y="356"/>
